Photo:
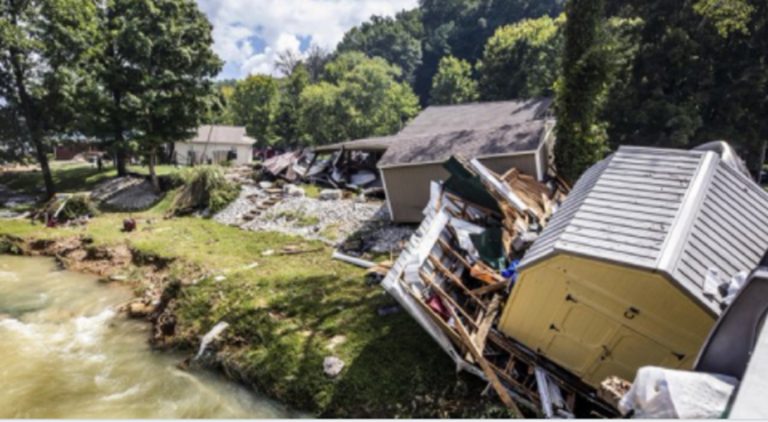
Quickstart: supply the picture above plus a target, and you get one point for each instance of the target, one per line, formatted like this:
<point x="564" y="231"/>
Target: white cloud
<point x="248" y="34"/>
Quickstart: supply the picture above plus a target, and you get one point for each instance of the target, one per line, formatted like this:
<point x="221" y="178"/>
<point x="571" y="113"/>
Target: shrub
<point x="205" y="189"/>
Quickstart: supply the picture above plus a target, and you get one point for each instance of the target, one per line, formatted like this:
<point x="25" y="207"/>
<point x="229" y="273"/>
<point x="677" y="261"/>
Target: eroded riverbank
<point x="67" y="353"/>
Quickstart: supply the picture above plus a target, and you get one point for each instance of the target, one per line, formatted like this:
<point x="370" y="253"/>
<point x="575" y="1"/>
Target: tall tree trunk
<point x="33" y="125"/>
<point x="761" y="163"/>
<point x="152" y="171"/>
<point x="120" y="151"/>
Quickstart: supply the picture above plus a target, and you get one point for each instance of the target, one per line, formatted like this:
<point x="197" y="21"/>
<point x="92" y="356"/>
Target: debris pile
<point x="11" y="202"/>
<point x="68" y="209"/>
<point x="354" y="170"/>
<point x="458" y="269"/>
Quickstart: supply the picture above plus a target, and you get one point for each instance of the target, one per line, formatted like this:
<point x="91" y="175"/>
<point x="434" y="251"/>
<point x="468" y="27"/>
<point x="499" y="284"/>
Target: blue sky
<point x="248" y="34"/>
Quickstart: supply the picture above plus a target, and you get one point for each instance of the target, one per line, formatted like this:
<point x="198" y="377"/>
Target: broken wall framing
<point x="457" y="298"/>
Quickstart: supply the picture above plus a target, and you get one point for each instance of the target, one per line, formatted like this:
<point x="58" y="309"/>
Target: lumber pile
<point x="458" y="270"/>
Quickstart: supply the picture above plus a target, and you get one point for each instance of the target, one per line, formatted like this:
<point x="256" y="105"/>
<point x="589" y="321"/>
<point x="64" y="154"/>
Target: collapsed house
<point x="454" y="278"/>
<point x="633" y="269"/>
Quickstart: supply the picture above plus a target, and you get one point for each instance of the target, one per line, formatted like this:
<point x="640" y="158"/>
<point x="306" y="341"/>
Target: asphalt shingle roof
<point x="472" y="130"/>
<point x="216" y="134"/>
<point x="519" y="137"/>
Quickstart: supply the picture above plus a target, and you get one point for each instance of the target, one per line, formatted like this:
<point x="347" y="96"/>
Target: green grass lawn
<point x="289" y="312"/>
<point x="70" y="177"/>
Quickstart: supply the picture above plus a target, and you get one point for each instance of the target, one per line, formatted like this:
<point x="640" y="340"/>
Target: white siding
<point x="204" y="152"/>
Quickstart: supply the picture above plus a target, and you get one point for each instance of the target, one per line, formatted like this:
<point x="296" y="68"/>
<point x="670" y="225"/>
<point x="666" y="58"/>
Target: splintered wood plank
<point x="486" y="367"/>
<point x="448" y="249"/>
<point x="491" y="288"/>
<point x="445" y="296"/>
<point x="455" y="280"/>
<point x="484" y="324"/>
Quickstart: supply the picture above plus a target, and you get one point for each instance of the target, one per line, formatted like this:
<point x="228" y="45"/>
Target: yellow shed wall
<point x="598" y="319"/>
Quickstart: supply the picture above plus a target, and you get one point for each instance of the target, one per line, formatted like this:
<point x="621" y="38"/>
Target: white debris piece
<point x="672" y="394"/>
<point x="293" y="190"/>
<point x="332" y="366"/>
<point x="331" y="194"/>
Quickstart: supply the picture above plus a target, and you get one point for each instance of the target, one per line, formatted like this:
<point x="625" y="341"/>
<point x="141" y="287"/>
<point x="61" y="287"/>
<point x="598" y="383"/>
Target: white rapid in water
<point x="65" y="353"/>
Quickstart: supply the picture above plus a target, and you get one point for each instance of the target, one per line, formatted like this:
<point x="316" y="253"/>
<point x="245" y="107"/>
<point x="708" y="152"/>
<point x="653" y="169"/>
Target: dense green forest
<point x="137" y="74"/>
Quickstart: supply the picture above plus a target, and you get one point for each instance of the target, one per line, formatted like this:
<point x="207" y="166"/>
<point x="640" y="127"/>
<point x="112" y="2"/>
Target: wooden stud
<point x="501" y="391"/>
<point x="455" y="280"/>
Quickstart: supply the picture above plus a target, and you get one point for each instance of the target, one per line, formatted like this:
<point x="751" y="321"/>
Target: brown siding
<point x="408" y="186"/>
<point x="68" y="152"/>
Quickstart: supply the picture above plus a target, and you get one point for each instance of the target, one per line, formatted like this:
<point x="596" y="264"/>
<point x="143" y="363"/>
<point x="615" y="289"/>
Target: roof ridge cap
<point x="690" y="206"/>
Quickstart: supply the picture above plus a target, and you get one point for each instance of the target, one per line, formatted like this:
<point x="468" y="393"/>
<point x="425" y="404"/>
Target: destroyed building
<point x="556" y="301"/>
<point x="502" y="135"/>
<point x="631" y="270"/>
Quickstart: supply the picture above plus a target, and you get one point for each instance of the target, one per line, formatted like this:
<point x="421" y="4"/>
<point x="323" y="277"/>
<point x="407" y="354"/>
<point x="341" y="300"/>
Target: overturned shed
<point x="631" y="270"/>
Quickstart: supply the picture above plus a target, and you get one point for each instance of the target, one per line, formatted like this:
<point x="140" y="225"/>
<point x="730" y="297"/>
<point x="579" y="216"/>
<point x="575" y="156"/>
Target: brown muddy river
<point x="64" y="353"/>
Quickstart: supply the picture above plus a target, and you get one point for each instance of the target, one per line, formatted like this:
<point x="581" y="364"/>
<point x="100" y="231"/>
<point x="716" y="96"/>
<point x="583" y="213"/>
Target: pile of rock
<point x="126" y="194"/>
<point x="330" y="217"/>
<point x="12" y="201"/>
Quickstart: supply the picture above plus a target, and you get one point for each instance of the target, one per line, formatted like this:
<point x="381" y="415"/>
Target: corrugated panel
<point x="545" y="244"/>
<point x="627" y="214"/>
<point x="729" y="232"/>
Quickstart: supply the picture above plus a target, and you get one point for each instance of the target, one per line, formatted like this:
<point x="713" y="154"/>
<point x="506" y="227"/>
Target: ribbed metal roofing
<point x="678" y="212"/>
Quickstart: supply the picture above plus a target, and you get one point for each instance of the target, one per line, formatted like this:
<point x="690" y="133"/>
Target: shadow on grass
<point x="283" y="330"/>
<point x="67" y="179"/>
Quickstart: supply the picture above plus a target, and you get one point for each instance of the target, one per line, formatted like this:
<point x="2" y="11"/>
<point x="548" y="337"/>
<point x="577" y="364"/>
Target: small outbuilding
<point x="213" y="144"/>
<point x="501" y="135"/>
<point x="634" y="268"/>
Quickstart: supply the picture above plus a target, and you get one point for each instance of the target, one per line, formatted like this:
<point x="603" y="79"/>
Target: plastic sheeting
<point x="672" y="394"/>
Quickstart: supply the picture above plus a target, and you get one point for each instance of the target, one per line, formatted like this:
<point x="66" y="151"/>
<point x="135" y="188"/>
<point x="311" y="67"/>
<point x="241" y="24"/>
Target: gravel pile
<point x="10" y="199"/>
<point x="126" y="194"/>
<point x="330" y="221"/>
<point x="235" y="213"/>
<point x="358" y="226"/>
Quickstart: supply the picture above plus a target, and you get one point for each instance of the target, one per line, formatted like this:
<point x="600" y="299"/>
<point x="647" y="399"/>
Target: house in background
<point x="214" y="144"/>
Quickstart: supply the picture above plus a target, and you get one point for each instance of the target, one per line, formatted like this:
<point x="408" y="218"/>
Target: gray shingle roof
<point x="368" y="144"/>
<point x="472" y="143"/>
<point x="473" y="130"/>
<point x="677" y="212"/>
<point x="476" y="116"/>
<point x="217" y="134"/>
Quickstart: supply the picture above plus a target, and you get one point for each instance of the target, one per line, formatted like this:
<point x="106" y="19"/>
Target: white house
<point x="216" y="144"/>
